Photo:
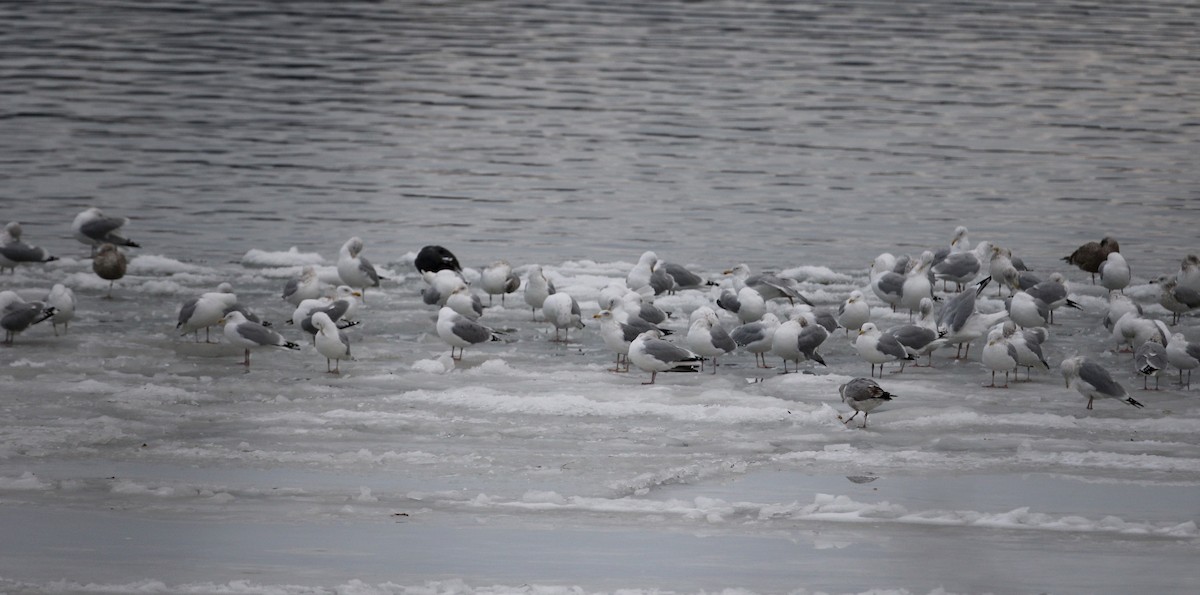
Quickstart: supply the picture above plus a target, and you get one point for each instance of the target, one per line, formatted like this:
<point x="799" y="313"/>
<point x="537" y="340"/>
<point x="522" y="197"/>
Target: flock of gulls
<point x="633" y="328"/>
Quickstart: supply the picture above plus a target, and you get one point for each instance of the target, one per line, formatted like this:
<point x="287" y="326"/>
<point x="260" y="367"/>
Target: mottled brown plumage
<point x="1089" y="256"/>
<point x="110" y="264"/>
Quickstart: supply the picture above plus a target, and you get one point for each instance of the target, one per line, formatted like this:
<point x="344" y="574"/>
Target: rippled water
<point x="757" y="132"/>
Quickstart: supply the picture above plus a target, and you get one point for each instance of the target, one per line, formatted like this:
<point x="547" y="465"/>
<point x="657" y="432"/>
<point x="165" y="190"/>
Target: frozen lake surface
<point x="245" y="141"/>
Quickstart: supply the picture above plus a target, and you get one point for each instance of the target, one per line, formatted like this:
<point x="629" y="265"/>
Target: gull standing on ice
<point x="305" y="287"/>
<point x="917" y="284"/>
<point x="562" y="311"/>
<point x="1150" y="359"/>
<point x="708" y="338"/>
<point x="798" y="339"/>
<point x="639" y="275"/>
<point x="109" y="263"/>
<point x="1183" y="355"/>
<point x="461" y="332"/>
<point x="887" y="279"/>
<point x="252" y="335"/>
<point x="1028" y="343"/>
<point x="748" y="304"/>
<point x="962" y="268"/>
<point x="203" y="312"/>
<point x="1089" y="256"/>
<point x="440" y="284"/>
<point x="464" y="302"/>
<point x="1093" y="381"/>
<point x="1177" y="299"/>
<point x="854" y="312"/>
<point x="999" y="355"/>
<point x="63" y="300"/>
<point x="537" y="289"/>
<point x="921" y="337"/>
<point x="93" y="228"/>
<point x="17" y="314"/>
<point x="863" y="395"/>
<point x="431" y="259"/>
<point x="355" y="270"/>
<point x="498" y="279"/>
<point x="330" y="342"/>
<point x="769" y="286"/>
<point x="879" y="348"/>
<point x="757" y="337"/>
<point x="1114" y="272"/>
<point x="1054" y="292"/>
<point x="14" y="252"/>
<point x="652" y="354"/>
<point x="960" y="323"/>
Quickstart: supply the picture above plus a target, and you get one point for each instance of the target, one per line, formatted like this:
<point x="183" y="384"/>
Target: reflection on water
<point x="756" y="132"/>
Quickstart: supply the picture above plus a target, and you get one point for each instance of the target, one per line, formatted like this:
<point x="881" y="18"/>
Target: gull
<point x="63" y="300"/>
<point x="679" y="277"/>
<point x="1001" y="265"/>
<point x="440" y="284"/>
<point x="93" y="228"/>
<point x="611" y="295"/>
<point x="1089" y="256"/>
<point x="887" y="279"/>
<point x="1150" y="359"/>
<point x="16" y="314"/>
<point x="962" y="267"/>
<point x="999" y="355"/>
<point x="355" y="270"/>
<point x="770" y="286"/>
<point x="14" y="252"/>
<point x="879" y="348"/>
<point x="1133" y="329"/>
<point x="203" y="312"/>
<point x="1189" y="272"/>
<point x="639" y="275"/>
<point x="1183" y="355"/>
<point x="1053" y="291"/>
<point x="461" y="332"/>
<point x="1119" y="304"/>
<point x="748" y="304"/>
<point x="431" y="259"/>
<point x="1114" y="272"/>
<point x="464" y="302"/>
<point x="920" y="338"/>
<point x="854" y="312"/>
<point x="1093" y="381"/>
<point x="1177" y="299"/>
<point x="650" y="353"/>
<point x="633" y="303"/>
<point x="917" y="284"/>
<point x="660" y="281"/>
<point x="537" y="289"/>
<point x="757" y="337"/>
<point x="109" y="263"/>
<point x="251" y="335"/>
<point x="305" y="287"/>
<point x="863" y="395"/>
<point x="1028" y="343"/>
<point x="226" y="287"/>
<point x="960" y="323"/>
<point x="707" y="338"/>
<point x="1026" y="310"/>
<point x="618" y="335"/>
<point x="798" y="339"/>
<point x="562" y="311"/>
<point x="498" y="278"/>
<point x="958" y="243"/>
<point x="330" y="342"/>
<point x="339" y="309"/>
